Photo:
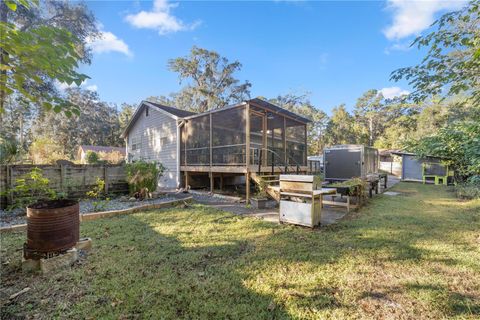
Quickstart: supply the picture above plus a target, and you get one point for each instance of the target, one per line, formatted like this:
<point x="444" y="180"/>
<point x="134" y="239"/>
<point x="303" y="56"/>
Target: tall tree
<point x="370" y="113"/>
<point x="125" y="115"/>
<point x="452" y="62"/>
<point x="37" y="49"/>
<point x="210" y="81"/>
<point x="98" y="124"/>
<point x="341" y="127"/>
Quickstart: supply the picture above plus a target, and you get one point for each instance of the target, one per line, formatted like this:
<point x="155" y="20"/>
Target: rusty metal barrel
<point x="53" y="225"/>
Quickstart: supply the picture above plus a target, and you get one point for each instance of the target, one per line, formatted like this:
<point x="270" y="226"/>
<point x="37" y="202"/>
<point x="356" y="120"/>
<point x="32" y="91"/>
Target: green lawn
<point x="411" y="256"/>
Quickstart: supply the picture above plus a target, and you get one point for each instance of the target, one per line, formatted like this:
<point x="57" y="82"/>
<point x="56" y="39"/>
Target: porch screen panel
<point x="296" y="147"/>
<point x="275" y="132"/>
<point x="183" y="139"/>
<point x="197" y="137"/>
<point x="229" y="137"/>
<point x="256" y="137"/>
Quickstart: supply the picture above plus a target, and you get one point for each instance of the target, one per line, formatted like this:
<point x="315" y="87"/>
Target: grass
<point x="414" y="256"/>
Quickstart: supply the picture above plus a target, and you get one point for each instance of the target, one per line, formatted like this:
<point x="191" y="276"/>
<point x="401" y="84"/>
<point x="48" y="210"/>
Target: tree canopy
<point x="210" y="81"/>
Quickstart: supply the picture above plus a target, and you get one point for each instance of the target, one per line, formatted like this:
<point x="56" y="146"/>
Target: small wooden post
<point x="105" y="178"/>
<point x="186" y="179"/>
<point x="305" y="156"/>
<point x="285" y="141"/>
<point x="247" y="136"/>
<point x="247" y="186"/>
<point x="211" y="182"/>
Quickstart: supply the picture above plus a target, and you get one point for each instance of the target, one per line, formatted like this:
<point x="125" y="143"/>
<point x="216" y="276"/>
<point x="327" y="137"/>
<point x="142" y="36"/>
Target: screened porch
<point x="251" y="136"/>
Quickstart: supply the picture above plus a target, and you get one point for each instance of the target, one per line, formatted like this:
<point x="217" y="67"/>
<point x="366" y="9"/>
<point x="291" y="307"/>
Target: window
<point x="146" y="112"/>
<point x="135" y="142"/>
<point x="163" y="141"/>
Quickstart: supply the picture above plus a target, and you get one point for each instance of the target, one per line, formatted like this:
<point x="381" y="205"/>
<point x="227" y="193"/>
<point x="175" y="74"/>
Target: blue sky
<point x="334" y="50"/>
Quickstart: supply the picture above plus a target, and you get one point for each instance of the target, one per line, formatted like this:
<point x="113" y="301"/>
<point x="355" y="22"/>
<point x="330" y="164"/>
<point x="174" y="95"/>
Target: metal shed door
<point x="342" y="164"/>
<point x="412" y="168"/>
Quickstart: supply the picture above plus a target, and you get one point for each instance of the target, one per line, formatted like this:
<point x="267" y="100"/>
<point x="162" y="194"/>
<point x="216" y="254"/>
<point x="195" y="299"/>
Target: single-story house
<point x="104" y="153"/>
<point x="217" y="145"/>
<point x="152" y="135"/>
<point x="412" y="165"/>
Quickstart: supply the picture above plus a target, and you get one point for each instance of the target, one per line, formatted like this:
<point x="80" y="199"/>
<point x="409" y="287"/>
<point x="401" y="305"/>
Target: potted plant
<point x="260" y="199"/>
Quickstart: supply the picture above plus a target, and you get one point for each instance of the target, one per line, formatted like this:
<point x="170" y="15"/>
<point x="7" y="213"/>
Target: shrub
<point x="46" y="151"/>
<point x="97" y="194"/>
<point x="92" y="157"/>
<point x="469" y="189"/>
<point x="9" y="151"/>
<point x="142" y="174"/>
<point x="114" y="157"/>
<point x="30" y="188"/>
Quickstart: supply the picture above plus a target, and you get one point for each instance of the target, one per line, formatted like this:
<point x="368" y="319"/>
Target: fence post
<point x="9" y="184"/>
<point x="62" y="177"/>
<point x="105" y="177"/>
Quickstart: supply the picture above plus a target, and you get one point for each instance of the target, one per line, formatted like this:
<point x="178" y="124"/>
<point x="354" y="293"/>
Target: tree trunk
<point x="3" y="73"/>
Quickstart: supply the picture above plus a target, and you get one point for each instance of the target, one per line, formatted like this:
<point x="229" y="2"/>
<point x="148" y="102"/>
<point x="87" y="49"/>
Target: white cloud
<point x="62" y="86"/>
<point x="160" y="18"/>
<point x="393" y="92"/>
<point x="108" y="42"/>
<point x="92" y="87"/>
<point x="411" y="17"/>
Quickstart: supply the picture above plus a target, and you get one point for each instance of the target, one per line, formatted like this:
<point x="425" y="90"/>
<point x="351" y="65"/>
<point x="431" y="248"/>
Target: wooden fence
<point x="73" y="179"/>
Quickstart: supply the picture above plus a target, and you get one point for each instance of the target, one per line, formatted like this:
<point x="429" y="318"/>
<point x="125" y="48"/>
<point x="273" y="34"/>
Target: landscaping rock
<point x="30" y="265"/>
<point x="84" y="244"/>
<point x="60" y="261"/>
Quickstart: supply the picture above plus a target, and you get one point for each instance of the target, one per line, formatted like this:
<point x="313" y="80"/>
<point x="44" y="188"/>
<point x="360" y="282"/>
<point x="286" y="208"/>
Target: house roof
<point x="401" y="153"/>
<point x="174" y="111"/>
<point x="277" y="109"/>
<point x="103" y="149"/>
<point x="262" y="104"/>
<point x="170" y="111"/>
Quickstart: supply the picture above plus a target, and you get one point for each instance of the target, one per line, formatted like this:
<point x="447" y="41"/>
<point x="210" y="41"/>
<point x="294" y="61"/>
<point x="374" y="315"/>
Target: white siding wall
<point x="157" y="136"/>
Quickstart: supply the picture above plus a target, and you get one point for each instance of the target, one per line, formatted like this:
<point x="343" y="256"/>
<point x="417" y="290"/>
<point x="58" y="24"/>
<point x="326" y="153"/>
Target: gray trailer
<point x="343" y="162"/>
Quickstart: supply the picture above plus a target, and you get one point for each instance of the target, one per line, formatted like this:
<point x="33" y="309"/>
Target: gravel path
<point x="17" y="216"/>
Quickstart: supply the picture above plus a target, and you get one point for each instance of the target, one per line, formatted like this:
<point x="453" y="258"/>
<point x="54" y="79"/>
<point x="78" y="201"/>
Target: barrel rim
<point x="52" y="204"/>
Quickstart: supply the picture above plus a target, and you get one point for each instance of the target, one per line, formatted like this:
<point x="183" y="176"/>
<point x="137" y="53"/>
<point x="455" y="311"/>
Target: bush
<point x="469" y="189"/>
<point x="92" y="157"/>
<point x="46" y="151"/>
<point x="30" y="188"/>
<point x="9" y="151"/>
<point x="142" y="174"/>
<point x="97" y="194"/>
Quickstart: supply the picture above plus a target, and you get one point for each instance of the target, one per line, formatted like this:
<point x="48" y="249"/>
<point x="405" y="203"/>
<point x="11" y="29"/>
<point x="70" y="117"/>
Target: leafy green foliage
<point x="98" y="195"/>
<point x="30" y="188"/>
<point x="9" y="151"/>
<point x="470" y="189"/>
<point x="92" y="157"/>
<point x="452" y="63"/>
<point x="341" y="128"/>
<point x="45" y="151"/>
<point x="458" y="143"/>
<point x="356" y="186"/>
<point x="142" y="174"/>
<point x="33" y="58"/>
<point x="212" y="84"/>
